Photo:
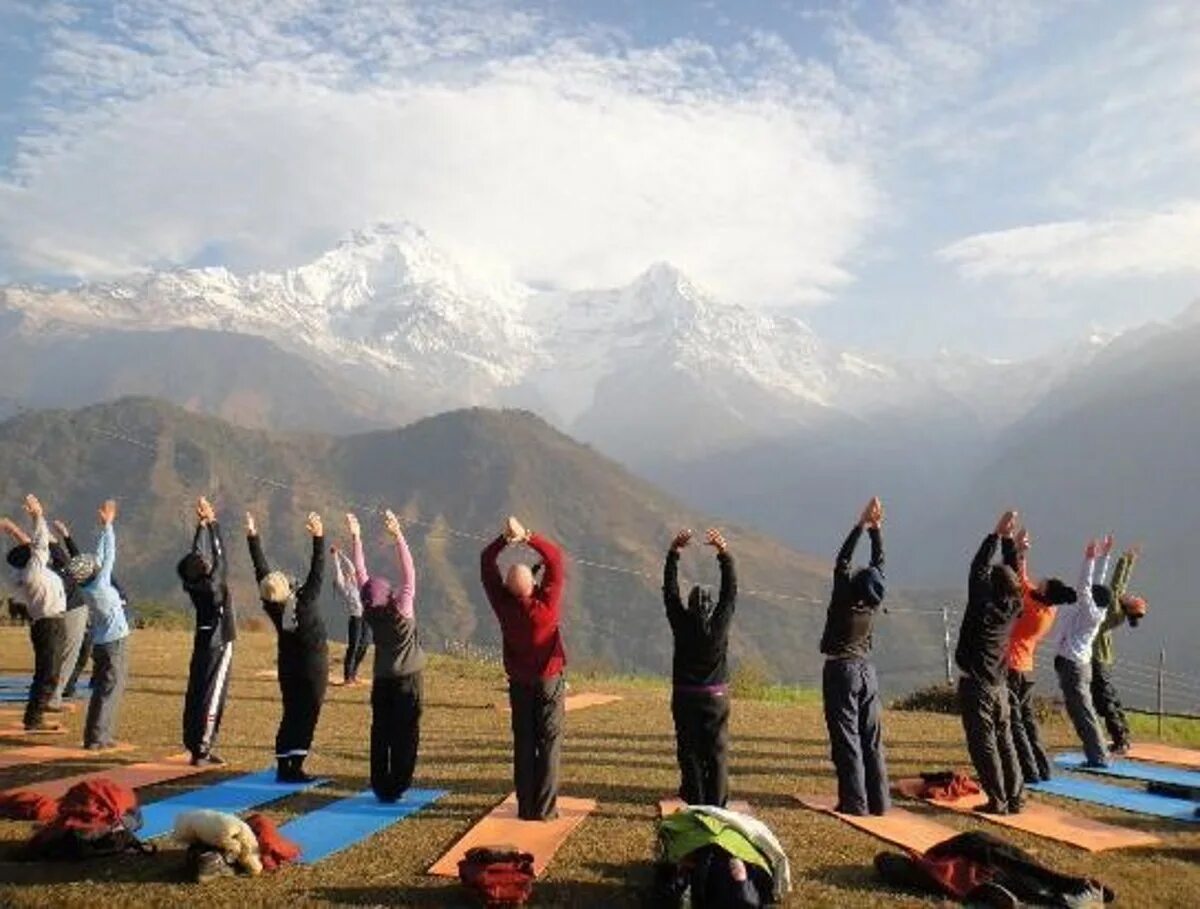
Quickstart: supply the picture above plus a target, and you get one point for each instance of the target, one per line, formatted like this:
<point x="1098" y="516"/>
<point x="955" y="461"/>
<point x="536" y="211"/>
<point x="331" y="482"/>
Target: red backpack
<point x="95" y="817"/>
<point x="499" y="875"/>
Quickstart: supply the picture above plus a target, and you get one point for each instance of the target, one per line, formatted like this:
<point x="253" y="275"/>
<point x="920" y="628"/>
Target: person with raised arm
<point x="41" y="591"/>
<point x="1073" y="662"/>
<point x="204" y="574"/>
<point x="849" y="685"/>
<point x="700" y="673"/>
<point x="1039" y="606"/>
<point x="358" y="629"/>
<point x="397" y="689"/>
<point x="993" y="603"/>
<point x="110" y="638"/>
<point x="529" y="612"/>
<point x="1123" y="607"/>
<point x="302" y="648"/>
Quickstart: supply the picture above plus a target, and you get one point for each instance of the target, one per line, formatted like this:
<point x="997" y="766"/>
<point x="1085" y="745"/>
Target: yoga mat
<point x="670" y="806"/>
<point x="340" y="825"/>
<point x="1132" y="770"/>
<point x="1120" y="797"/>
<point x="39" y="754"/>
<point x="502" y="826"/>
<point x="898" y="827"/>
<point x="135" y="776"/>
<point x="18" y="730"/>
<point x="232" y="796"/>
<point x="1040" y="820"/>
<point x="576" y="702"/>
<point x="1165" y="754"/>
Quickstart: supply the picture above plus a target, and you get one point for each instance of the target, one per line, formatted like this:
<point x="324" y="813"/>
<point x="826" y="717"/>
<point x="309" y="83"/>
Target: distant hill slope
<point x="454" y="478"/>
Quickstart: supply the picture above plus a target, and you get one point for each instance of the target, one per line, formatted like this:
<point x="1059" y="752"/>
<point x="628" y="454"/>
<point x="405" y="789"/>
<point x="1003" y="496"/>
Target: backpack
<point x="500" y="875"/>
<point x="94" y="818"/>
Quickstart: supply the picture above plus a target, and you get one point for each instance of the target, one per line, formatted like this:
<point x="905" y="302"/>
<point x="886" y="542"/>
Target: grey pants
<point x="75" y="623"/>
<point x="987" y="721"/>
<point x="110" y="664"/>
<point x="1076" y="681"/>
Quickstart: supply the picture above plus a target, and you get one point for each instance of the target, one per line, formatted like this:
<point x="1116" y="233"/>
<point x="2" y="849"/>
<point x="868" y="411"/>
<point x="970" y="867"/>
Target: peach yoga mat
<point x="20" y="732"/>
<point x="39" y="754"/>
<point x="1164" y="754"/>
<point x="501" y="826"/>
<point x="898" y="827"/>
<point x="578" y="701"/>
<point x="1042" y="820"/>
<point x="135" y="776"/>
<point x="670" y="806"/>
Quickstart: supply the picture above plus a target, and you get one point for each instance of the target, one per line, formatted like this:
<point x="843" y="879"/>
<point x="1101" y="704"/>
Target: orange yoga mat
<point x="502" y="827"/>
<point x="578" y="701"/>
<point x="1165" y="754"/>
<point x="898" y="827"/>
<point x="670" y="806"/>
<point x="19" y="731"/>
<point x="1042" y="820"/>
<point x="39" y="754"/>
<point x="135" y="776"/>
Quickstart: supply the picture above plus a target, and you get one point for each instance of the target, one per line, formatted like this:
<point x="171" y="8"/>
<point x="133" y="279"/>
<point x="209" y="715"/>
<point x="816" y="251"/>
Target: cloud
<point x="575" y="157"/>
<point x="1149" y="244"/>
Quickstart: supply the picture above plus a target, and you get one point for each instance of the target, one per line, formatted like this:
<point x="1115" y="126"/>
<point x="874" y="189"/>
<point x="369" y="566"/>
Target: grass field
<point x="621" y="754"/>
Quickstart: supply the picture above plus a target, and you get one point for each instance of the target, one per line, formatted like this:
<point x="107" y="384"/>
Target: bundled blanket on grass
<point x="274" y="848"/>
<point x="947" y="785"/>
<point x="741" y="836"/>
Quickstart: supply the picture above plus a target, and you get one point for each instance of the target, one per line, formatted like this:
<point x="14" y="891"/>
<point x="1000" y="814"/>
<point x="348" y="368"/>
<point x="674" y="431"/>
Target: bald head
<point x="519" y="581"/>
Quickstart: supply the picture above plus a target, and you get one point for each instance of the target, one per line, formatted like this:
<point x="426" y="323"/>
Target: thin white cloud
<point x="1148" y="244"/>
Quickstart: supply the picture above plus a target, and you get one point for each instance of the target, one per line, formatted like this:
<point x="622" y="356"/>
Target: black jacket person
<point x="700" y="675"/>
<point x="303" y="649"/>
<point x="204" y="572"/>
<point x="993" y="604"/>
<point x="849" y="686"/>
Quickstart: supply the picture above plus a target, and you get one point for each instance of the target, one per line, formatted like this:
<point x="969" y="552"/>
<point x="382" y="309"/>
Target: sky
<point x="995" y="177"/>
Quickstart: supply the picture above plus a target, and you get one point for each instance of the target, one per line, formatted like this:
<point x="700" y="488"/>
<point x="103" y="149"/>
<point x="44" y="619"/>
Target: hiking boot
<point x="291" y="770"/>
<point x="993" y="807"/>
<point x="205" y="864"/>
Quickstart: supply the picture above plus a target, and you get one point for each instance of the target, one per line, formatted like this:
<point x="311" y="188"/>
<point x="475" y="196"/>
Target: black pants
<point x="537" y="726"/>
<point x="702" y="746"/>
<point x="987" y="722"/>
<point x="1107" y="702"/>
<point x="852" y="715"/>
<point x="302" y="684"/>
<point x="396" y="705"/>
<point x="207" y="690"/>
<point x="1027" y="737"/>
<point x="358" y="639"/>
<point x="48" y="637"/>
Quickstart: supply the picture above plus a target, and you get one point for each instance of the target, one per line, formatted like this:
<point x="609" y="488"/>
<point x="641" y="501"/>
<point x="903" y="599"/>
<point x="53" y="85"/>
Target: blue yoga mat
<point x="1135" y="770"/>
<point x="11" y="682"/>
<point x="231" y="796"/>
<point x="1119" y="797"/>
<point x="339" y="826"/>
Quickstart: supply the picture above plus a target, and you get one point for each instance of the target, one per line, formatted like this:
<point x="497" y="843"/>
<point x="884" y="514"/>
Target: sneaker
<point x="1118" y="748"/>
<point x="993" y="807"/>
<point x="1095" y="765"/>
<point x="1017" y="805"/>
<point x="43" y="725"/>
<point x="205" y="864"/>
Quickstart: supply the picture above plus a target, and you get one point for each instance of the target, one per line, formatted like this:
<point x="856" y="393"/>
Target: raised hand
<point x="313" y="525"/>
<point x="1023" y="540"/>
<point x="353" y="526"/>
<point x="1106" y="545"/>
<point x="714" y="539"/>
<point x="205" y="513"/>
<point x="1092" y="548"/>
<point x="62" y="530"/>
<point x="33" y="506"/>
<point x="251" y="525"/>
<point x="392" y="524"/>
<point x="107" y="512"/>
<point x="514" y="531"/>
<point x="681" y="539"/>
<point x="872" y="514"/>
<point x="1007" y="524"/>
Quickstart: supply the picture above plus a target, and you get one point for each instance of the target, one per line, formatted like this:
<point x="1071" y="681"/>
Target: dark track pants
<point x="207" y="691"/>
<point x="852" y="715"/>
<point x="1027" y="737"/>
<point x="1107" y="702"/>
<point x="537" y="726"/>
<point x="110" y="668"/>
<point x="396" y="705"/>
<point x="303" y="691"/>
<point x="358" y="639"/>
<point x="986" y="720"/>
<point x="48" y="637"/>
<point x="702" y="746"/>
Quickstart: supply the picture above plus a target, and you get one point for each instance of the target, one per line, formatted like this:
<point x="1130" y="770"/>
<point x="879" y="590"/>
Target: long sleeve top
<point x="345" y="582"/>
<point x="849" y="622"/>
<point x="1081" y="623"/>
<point x="987" y="621"/>
<point x="61" y="554"/>
<point x="210" y="597"/>
<point x="104" y="600"/>
<point x="39" y="585"/>
<point x="309" y="630"/>
<point x="529" y="626"/>
<point x="1103" y="650"/>
<point x="398" y="649"/>
<point x="701" y="657"/>
<point x="1032" y="625"/>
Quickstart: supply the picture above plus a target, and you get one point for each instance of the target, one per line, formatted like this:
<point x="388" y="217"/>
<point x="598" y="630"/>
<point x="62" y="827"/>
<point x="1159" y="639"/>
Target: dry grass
<point x="621" y="755"/>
